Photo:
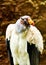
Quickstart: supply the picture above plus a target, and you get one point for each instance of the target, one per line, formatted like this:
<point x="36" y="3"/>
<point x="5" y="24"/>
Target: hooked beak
<point x="31" y="22"/>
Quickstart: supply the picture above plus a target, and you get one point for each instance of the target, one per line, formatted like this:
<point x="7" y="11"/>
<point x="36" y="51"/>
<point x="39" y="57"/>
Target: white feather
<point x="34" y="36"/>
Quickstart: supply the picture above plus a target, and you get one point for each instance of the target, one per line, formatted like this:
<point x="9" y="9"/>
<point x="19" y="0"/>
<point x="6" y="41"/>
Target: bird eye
<point x="22" y="19"/>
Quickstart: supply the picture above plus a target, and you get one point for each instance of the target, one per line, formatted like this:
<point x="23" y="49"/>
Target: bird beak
<point x="31" y="22"/>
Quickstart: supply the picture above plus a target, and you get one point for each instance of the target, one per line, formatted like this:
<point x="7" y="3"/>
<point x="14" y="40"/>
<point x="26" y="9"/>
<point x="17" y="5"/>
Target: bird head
<point x="23" y="22"/>
<point x="26" y="20"/>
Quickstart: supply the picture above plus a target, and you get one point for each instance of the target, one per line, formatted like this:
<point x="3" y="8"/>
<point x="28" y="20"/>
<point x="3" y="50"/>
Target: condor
<point x="24" y="42"/>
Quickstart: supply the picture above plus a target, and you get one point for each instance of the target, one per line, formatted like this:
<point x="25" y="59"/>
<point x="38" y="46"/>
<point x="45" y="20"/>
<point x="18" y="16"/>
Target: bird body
<point x="18" y="46"/>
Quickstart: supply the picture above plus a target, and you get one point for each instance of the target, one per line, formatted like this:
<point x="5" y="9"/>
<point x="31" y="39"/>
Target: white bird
<point x="22" y="35"/>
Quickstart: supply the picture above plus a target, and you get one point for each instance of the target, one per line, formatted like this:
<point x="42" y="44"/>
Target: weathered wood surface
<point x="10" y="11"/>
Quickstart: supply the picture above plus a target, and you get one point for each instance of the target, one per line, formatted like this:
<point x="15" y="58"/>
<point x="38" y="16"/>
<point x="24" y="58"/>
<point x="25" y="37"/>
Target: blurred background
<point x="10" y="11"/>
